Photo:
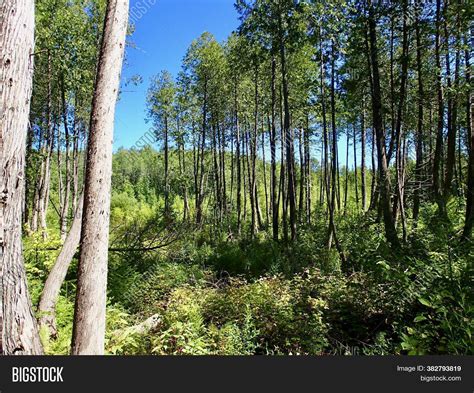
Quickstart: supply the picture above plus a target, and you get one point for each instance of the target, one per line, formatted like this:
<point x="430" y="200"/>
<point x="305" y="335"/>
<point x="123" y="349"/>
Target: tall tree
<point x="161" y="98"/>
<point x="18" y="329"/>
<point x="89" y="314"/>
<point x="385" y="186"/>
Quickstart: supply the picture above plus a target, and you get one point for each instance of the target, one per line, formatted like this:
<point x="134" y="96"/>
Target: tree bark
<point x="90" y="307"/>
<point x="52" y="286"/>
<point x="18" y="328"/>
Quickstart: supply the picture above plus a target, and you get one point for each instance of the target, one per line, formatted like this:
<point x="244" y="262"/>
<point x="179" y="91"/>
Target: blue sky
<point x="162" y="35"/>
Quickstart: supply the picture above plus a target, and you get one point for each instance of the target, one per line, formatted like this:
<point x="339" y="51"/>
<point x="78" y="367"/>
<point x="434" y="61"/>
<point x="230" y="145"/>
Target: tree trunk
<point x="398" y="207"/>
<point x="200" y="191"/>
<point x="64" y="203"/>
<point x="18" y="328"/>
<point x="469" y="223"/>
<point x="438" y="154"/>
<point x="289" y="135"/>
<point x="275" y="206"/>
<point x="308" y="171"/>
<point x="265" y="188"/>
<point x="451" y="119"/>
<point x="332" y="205"/>
<point x="346" y="182"/>
<point x="47" y="153"/>
<point x="89" y="315"/>
<point x="52" y="286"/>
<point x="419" y="134"/>
<point x="166" y="157"/>
<point x="385" y="184"/>
<point x="238" y="162"/>
<point x="362" y="162"/>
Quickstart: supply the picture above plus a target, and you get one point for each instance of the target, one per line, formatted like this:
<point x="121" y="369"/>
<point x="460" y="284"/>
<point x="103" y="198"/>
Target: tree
<point x="469" y="223"/>
<point x="161" y="98"/>
<point x="384" y="175"/>
<point x="19" y="333"/>
<point x="52" y="286"/>
<point x="89" y="314"/>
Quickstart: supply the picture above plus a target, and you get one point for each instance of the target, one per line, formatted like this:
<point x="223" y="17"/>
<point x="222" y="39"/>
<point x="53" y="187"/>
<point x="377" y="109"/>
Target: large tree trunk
<point x="89" y="316"/>
<point x="18" y="328"/>
<point x="49" y="296"/>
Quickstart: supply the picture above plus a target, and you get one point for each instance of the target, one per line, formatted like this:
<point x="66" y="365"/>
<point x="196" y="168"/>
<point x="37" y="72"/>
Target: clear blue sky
<point x="162" y="35"/>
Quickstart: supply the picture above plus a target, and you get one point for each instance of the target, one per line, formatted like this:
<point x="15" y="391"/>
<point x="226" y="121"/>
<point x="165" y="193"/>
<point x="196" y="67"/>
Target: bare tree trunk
<point x="89" y="315"/>
<point x="52" y="286"/>
<point x="18" y="328"/>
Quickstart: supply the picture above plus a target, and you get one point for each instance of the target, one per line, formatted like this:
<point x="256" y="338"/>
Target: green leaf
<point x="425" y="302"/>
<point x="420" y="318"/>
<point x="384" y="264"/>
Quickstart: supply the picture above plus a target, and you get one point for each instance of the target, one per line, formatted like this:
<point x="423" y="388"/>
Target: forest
<point x="306" y="186"/>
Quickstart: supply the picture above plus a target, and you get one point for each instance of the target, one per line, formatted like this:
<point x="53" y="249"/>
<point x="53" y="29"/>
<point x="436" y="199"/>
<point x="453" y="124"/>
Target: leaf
<point x="420" y="318"/>
<point x="425" y="302"/>
<point x="384" y="264"/>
